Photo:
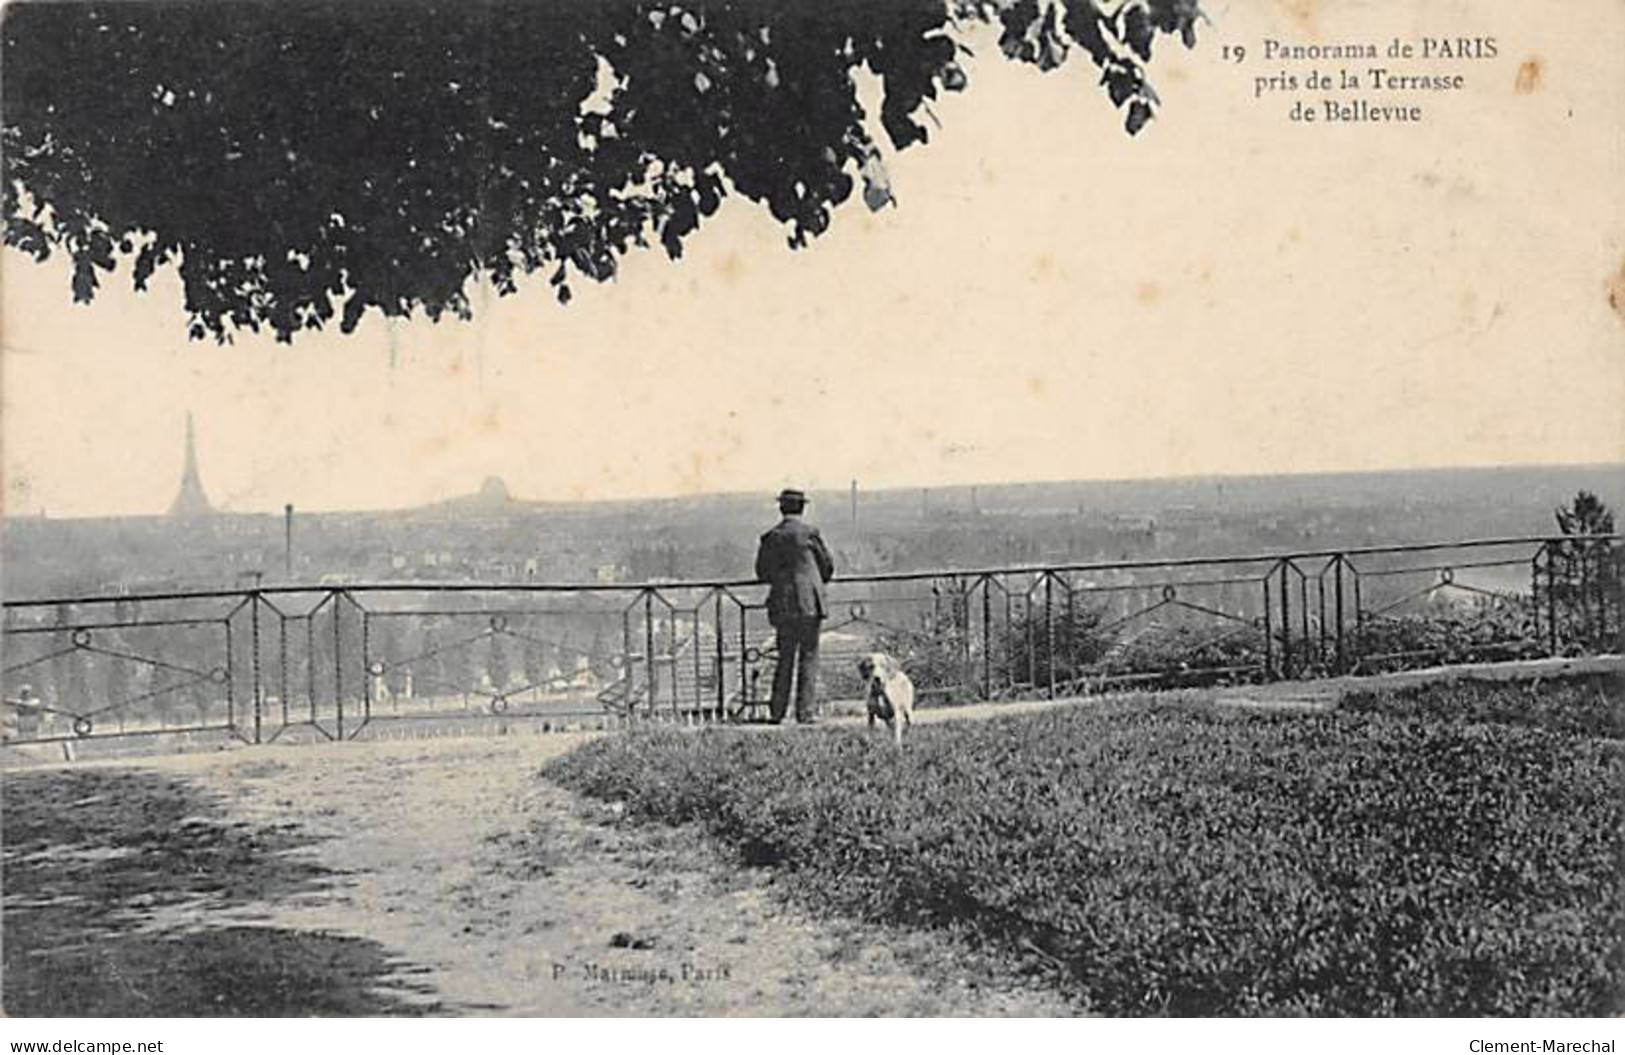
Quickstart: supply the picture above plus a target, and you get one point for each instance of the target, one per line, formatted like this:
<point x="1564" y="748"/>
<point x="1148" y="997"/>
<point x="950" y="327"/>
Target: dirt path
<point x="513" y="897"/>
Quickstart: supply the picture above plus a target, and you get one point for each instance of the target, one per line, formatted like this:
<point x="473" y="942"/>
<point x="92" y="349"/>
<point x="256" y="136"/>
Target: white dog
<point x="889" y="693"/>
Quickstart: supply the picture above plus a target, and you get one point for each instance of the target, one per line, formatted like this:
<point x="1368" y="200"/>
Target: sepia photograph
<point x="816" y="509"/>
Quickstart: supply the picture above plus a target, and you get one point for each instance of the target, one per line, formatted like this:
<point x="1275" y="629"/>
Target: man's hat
<point x="790" y="494"/>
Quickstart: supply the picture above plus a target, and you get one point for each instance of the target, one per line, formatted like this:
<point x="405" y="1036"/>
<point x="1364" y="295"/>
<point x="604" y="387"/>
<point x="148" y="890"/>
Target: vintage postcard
<point x="725" y="508"/>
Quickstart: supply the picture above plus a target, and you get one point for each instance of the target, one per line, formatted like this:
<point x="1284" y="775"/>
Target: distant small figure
<point x="46" y="717"/>
<point x="793" y="560"/>
<point x="23" y="714"/>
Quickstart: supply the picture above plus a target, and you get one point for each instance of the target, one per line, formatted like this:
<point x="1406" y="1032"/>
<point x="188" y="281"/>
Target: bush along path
<point x="1445" y="850"/>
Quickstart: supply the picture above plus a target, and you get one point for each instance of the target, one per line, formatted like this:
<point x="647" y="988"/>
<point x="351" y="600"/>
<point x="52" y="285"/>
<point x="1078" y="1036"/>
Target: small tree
<point x="1586" y="515"/>
<point x="1584" y="575"/>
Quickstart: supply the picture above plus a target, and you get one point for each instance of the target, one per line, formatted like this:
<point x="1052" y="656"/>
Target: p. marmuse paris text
<point x="643" y="974"/>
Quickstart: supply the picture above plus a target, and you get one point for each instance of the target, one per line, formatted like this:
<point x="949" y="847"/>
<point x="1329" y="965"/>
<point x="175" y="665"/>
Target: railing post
<point x="1286" y="623"/>
<point x="1551" y="598"/>
<point x="367" y="674"/>
<point x="1303" y="604"/>
<point x="1359" y="616"/>
<point x="1027" y="626"/>
<point x="1610" y="585"/>
<point x="1269" y="628"/>
<point x="1337" y="590"/>
<point x="962" y="629"/>
<point x="987" y="637"/>
<point x="1009" y="638"/>
<point x="310" y="666"/>
<point x="1070" y="637"/>
<point x="1599" y="583"/>
<point x="649" y="649"/>
<point x="628" y="672"/>
<point x="1320" y="603"/>
<point x="1586" y="629"/>
<point x="699" y="667"/>
<point x="1534" y="588"/>
<point x="722" y="700"/>
<point x="1049" y="630"/>
<point x="744" y="659"/>
<point x="671" y="654"/>
<point x="282" y="664"/>
<point x="338" y="665"/>
<point x="934" y="629"/>
<point x="231" y="678"/>
<point x="254" y="621"/>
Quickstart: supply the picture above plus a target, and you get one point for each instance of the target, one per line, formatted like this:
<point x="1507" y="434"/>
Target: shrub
<point x="1084" y="648"/>
<point x="1165" y="858"/>
<point x="1089" y="650"/>
<point x="1489" y="629"/>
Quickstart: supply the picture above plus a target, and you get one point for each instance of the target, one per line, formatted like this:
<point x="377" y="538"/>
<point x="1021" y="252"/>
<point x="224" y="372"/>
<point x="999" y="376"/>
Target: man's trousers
<point x="797" y="663"/>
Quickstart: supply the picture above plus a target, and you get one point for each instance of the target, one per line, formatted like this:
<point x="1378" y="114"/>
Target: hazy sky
<point x="1226" y="293"/>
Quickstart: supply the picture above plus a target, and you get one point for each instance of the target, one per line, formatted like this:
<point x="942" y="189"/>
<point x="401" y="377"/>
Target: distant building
<point x="191" y="501"/>
<point x="493" y="494"/>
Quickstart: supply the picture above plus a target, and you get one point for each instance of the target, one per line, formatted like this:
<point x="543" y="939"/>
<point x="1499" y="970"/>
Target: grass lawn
<point x="1457" y="850"/>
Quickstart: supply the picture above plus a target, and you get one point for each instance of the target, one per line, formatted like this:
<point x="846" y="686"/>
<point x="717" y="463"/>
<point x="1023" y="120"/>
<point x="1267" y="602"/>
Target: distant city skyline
<point x="191" y="498"/>
<point x="1050" y="300"/>
<point x="485" y="537"/>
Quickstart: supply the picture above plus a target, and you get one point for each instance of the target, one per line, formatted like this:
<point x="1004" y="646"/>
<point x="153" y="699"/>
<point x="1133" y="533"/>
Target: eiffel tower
<point x="191" y="501"/>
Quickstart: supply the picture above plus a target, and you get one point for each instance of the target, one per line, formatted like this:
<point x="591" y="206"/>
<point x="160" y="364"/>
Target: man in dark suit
<point x="793" y="560"/>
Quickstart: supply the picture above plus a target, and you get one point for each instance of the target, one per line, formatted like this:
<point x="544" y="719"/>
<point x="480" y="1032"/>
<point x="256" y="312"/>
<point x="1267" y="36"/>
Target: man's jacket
<point x="794" y="561"/>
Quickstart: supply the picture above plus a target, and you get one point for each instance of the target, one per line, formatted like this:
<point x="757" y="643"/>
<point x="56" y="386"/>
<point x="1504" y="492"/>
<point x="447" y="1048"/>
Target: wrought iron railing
<point x="337" y="662"/>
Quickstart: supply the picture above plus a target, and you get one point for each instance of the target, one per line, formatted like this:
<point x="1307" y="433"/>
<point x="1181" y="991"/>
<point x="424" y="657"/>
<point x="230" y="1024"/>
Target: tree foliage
<point x="1585" y="515"/>
<point x="301" y="161"/>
